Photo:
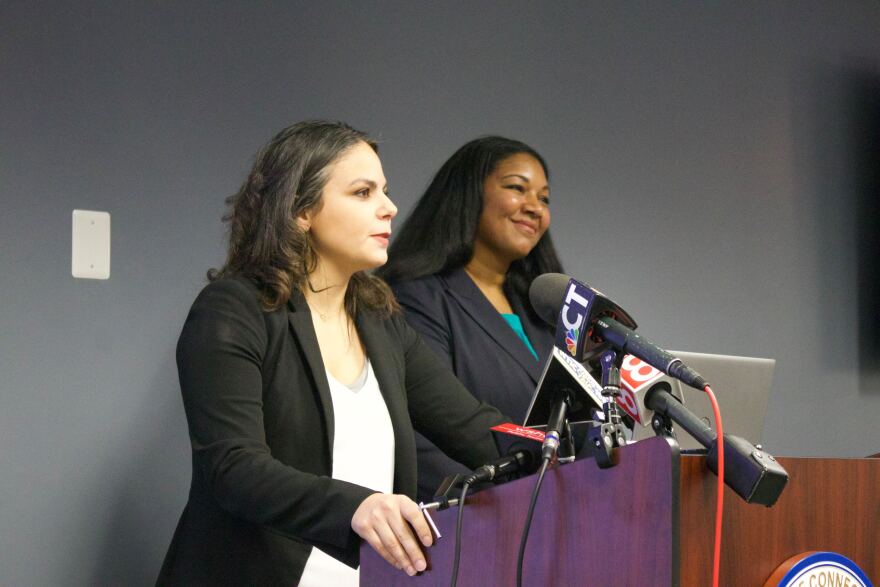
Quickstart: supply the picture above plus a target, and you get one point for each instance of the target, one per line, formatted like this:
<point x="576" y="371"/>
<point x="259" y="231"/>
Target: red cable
<point x="716" y="559"/>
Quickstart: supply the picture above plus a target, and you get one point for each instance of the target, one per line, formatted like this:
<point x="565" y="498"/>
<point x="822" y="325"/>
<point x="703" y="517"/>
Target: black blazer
<point x="471" y="337"/>
<point x="260" y="421"/>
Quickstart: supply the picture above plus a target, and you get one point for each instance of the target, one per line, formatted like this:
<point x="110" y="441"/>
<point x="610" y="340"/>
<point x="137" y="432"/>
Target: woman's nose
<point x="387" y="209"/>
<point x="532" y="205"/>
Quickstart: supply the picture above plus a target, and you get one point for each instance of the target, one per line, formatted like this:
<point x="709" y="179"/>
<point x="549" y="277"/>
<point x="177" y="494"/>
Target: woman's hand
<point x="381" y="520"/>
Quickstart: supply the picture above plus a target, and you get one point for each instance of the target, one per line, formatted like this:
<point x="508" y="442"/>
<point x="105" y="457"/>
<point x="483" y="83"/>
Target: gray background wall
<point x="714" y="170"/>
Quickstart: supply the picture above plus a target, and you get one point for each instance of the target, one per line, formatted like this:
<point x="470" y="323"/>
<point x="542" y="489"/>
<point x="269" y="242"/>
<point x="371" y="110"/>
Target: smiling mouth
<point x="526" y="227"/>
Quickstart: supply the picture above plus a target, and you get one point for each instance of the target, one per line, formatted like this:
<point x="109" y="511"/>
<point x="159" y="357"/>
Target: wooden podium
<point x="649" y="521"/>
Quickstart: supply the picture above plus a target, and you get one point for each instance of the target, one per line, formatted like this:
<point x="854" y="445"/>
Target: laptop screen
<point x="742" y="387"/>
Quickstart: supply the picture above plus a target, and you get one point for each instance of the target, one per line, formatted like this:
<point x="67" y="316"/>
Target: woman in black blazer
<point x="289" y="321"/>
<point x="461" y="267"/>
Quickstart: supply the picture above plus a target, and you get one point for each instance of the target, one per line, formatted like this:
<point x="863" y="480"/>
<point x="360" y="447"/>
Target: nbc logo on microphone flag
<point x="571" y="338"/>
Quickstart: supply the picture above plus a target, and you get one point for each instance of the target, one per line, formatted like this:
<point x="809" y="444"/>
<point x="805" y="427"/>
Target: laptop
<point x="741" y="386"/>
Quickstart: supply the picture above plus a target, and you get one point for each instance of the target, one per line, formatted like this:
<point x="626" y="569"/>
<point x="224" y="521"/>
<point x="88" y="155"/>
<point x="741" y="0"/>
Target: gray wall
<point x="714" y="170"/>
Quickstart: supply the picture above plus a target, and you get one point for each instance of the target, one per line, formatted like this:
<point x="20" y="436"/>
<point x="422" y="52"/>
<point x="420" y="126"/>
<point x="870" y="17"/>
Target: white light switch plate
<point x="90" y="257"/>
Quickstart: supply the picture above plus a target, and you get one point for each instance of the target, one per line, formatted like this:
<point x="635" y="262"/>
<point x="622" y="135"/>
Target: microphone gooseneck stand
<point x="604" y="437"/>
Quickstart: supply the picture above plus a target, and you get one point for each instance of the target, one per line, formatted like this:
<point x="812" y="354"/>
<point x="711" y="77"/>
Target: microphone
<point x="605" y="324"/>
<point x="520" y="460"/>
<point x="636" y="378"/>
<point x="520" y="447"/>
<point x="575" y="314"/>
<point x="627" y="341"/>
<point x="658" y="399"/>
<point x="750" y="472"/>
<point x="511" y="440"/>
<point x="555" y="424"/>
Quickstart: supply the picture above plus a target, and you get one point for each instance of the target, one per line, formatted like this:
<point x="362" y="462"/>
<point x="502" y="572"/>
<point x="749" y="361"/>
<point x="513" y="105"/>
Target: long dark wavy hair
<point x="266" y="244"/>
<point x="438" y="236"/>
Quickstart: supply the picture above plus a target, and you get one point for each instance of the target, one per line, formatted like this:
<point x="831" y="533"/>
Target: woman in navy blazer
<point x="461" y="267"/>
<point x="290" y="310"/>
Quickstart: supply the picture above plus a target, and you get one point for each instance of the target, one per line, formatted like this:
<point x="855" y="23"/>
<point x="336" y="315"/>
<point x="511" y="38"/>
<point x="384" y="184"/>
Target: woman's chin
<point x="374" y="262"/>
<point x="519" y="253"/>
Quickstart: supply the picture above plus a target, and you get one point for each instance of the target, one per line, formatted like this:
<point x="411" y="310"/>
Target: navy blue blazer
<point x="470" y="336"/>
<point x="261" y="426"/>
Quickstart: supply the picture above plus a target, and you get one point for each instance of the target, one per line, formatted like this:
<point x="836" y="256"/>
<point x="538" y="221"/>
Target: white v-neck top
<point x="363" y="453"/>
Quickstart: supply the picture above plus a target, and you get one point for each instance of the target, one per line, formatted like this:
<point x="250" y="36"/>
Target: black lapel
<point x="484" y="314"/>
<point x="300" y="318"/>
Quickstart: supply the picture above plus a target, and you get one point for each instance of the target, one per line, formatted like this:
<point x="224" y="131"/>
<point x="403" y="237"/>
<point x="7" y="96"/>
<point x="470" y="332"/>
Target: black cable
<point x="569" y="437"/>
<point x="457" y="559"/>
<point x="525" y="534"/>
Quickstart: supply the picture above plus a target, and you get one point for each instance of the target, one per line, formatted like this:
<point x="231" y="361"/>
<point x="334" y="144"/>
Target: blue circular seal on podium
<point x="818" y="569"/>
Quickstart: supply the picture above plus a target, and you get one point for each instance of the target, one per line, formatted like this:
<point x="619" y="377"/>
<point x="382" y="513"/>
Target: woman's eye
<point x="516" y="187"/>
<point x="363" y="193"/>
<point x="545" y="200"/>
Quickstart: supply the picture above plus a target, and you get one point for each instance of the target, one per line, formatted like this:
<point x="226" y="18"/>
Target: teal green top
<point x="514" y="322"/>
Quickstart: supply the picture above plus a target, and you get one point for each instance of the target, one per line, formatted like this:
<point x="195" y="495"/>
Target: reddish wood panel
<point x="829" y="504"/>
